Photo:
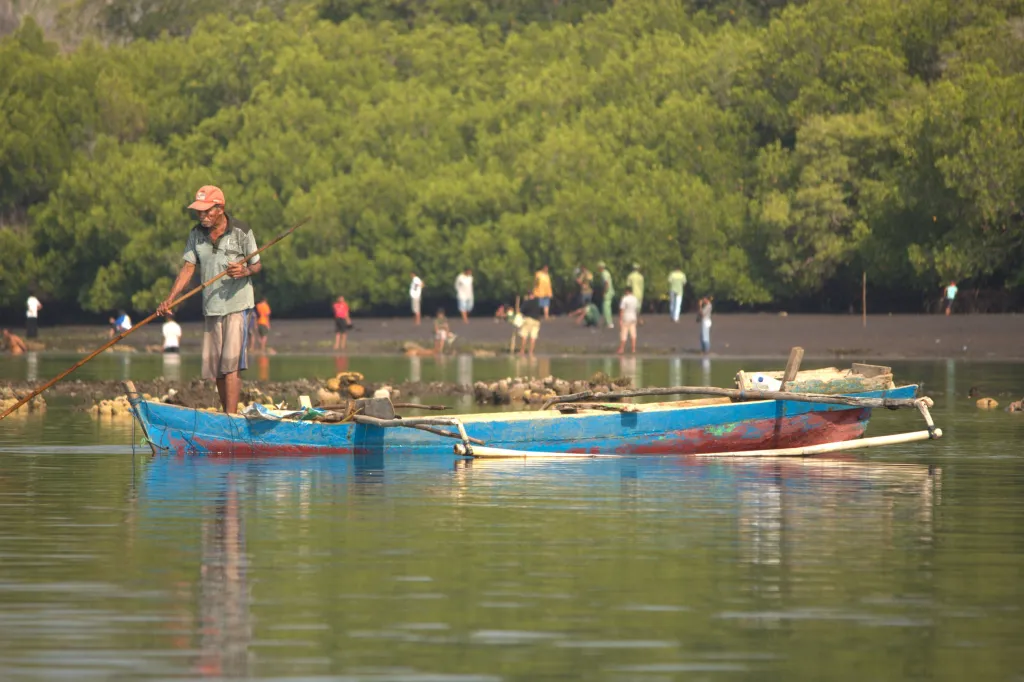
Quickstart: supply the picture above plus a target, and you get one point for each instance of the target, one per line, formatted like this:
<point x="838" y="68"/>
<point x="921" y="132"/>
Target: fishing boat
<point x="744" y="420"/>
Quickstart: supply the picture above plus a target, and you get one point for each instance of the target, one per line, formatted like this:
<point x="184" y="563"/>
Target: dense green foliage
<point x="774" y="152"/>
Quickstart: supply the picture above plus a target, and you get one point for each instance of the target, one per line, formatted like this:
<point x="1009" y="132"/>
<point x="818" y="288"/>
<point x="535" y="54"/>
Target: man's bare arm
<point x="180" y="282"/>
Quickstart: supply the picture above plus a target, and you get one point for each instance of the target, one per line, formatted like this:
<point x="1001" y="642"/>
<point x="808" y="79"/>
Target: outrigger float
<point x="807" y="413"/>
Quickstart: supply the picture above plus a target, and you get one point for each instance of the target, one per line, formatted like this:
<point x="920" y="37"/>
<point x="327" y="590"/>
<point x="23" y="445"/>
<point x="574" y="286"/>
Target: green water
<point x="899" y="563"/>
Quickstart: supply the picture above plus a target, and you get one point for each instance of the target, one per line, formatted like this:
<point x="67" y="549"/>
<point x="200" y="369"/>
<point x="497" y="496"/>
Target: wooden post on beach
<point x="864" y="298"/>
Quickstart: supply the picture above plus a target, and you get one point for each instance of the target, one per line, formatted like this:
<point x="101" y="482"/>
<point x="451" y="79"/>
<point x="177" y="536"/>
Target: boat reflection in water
<point x="770" y="497"/>
<point x="773" y="516"/>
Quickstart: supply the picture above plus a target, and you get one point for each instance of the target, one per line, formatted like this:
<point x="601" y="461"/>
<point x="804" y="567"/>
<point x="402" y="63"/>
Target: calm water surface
<point x="902" y="563"/>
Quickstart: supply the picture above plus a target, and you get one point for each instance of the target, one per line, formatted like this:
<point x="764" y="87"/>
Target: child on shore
<point x="441" y="331"/>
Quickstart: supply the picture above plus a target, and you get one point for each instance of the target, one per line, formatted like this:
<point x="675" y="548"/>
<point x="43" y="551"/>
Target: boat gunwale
<point x="526" y="415"/>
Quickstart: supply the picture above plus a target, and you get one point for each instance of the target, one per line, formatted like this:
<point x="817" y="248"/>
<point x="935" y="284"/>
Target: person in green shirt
<point x="635" y="281"/>
<point x="607" y="294"/>
<point x="676" y="283"/>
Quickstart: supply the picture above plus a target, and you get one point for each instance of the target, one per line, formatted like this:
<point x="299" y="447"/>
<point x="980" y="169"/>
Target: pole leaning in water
<point x="146" y="321"/>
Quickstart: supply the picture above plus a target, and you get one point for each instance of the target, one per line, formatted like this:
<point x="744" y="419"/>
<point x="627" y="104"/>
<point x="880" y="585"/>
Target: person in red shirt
<point x="342" y="323"/>
<point x="263" y="323"/>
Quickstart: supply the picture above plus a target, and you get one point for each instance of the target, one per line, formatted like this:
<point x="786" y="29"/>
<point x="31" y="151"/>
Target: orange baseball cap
<point x="206" y="197"/>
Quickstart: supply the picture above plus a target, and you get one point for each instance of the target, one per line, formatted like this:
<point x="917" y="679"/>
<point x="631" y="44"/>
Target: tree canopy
<point x="772" y="150"/>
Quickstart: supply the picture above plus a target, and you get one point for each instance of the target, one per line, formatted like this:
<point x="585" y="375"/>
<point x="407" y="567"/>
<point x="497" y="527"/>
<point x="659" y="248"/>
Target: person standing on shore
<point x="607" y="293"/>
<point x="635" y="282"/>
<point x="585" y="280"/>
<point x="464" y="293"/>
<point x="32" y="308"/>
<point x="415" y="295"/>
<point x="542" y="289"/>
<point x="219" y="243"/>
<point x="342" y="323"/>
<point x="629" y="307"/>
<point x="172" y="335"/>
<point x="263" y="323"/>
<point x="704" y="319"/>
<point x="950" y="295"/>
<point x="441" y="332"/>
<point x="676" y="284"/>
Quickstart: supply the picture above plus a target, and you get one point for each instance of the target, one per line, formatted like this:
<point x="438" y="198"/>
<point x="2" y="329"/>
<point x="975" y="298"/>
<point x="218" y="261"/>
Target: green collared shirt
<point x="226" y="295"/>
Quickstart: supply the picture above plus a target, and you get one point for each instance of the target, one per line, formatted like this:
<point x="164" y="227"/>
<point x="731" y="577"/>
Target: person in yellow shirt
<point x="542" y="289"/>
<point x="263" y="323"/>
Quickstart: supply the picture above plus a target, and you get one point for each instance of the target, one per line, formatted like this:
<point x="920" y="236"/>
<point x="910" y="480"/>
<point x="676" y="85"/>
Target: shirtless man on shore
<point x="14" y="343"/>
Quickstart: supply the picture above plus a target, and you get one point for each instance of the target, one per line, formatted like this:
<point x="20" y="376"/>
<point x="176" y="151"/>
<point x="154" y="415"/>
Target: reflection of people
<point x="263" y="367"/>
<point x="172" y="335"/>
<point x="263" y="323"/>
<point x="950" y="295"/>
<point x="217" y="244"/>
<point x="121" y="323"/>
<point x="340" y="363"/>
<point x="32" y="308"/>
<point x="225" y="628"/>
<point x="542" y="289"/>
<point x="629" y="308"/>
<point x="14" y="343"/>
<point x="464" y="293"/>
<point x="704" y="319"/>
<point x="172" y="366"/>
<point x="415" y="295"/>
<point x="342" y="323"/>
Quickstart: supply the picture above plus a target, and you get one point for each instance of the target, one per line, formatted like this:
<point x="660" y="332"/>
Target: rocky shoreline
<point x="108" y="396"/>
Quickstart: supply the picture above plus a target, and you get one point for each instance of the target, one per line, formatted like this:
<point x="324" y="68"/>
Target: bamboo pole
<point x="146" y="321"/>
<point x="806" y="451"/>
<point x="423" y="423"/>
<point x="738" y="394"/>
<point x="864" y="298"/>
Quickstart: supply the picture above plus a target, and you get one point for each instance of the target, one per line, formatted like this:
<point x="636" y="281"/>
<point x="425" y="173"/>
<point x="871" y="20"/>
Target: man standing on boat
<point x="216" y="244"/>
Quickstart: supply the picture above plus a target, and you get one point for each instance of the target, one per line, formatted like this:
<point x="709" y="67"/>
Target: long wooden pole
<point x="808" y="450"/>
<point x="144" y="322"/>
<point x="739" y="394"/>
<point x="864" y="298"/>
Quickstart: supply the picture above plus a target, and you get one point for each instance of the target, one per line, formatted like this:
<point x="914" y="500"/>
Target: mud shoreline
<point x="764" y="335"/>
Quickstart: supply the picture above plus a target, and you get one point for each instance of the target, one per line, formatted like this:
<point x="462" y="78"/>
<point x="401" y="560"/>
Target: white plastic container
<point x="763" y="382"/>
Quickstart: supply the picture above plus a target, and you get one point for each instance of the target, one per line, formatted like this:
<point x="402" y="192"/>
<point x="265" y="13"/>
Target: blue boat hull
<point x="657" y="429"/>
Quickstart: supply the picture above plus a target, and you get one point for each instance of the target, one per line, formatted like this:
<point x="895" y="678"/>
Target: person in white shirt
<point x="629" y="312"/>
<point x="32" y="307"/>
<point x="415" y="295"/>
<point x="464" y="293"/>
<point x="172" y="335"/>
